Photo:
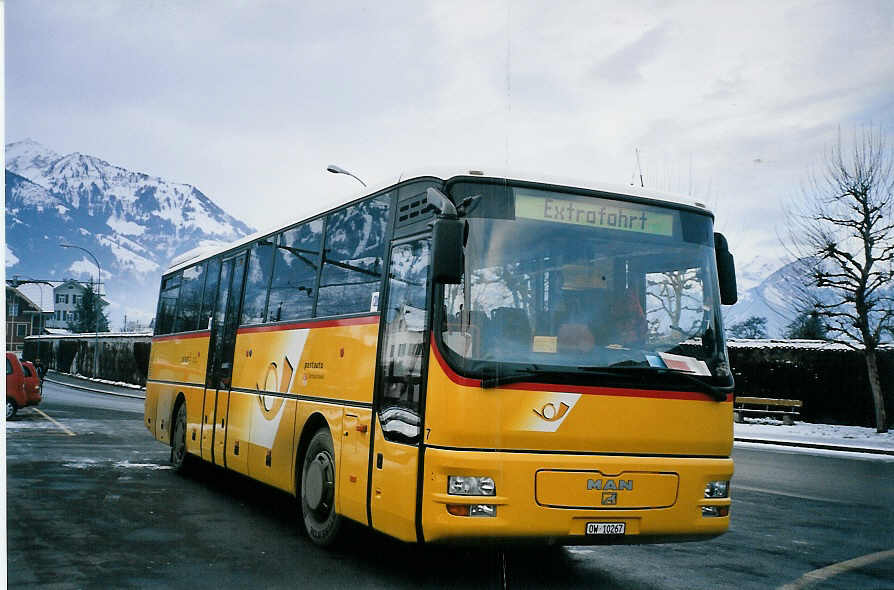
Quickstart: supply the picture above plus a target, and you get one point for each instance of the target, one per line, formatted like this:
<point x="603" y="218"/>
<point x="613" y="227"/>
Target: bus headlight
<point x="466" y="485"/>
<point x="717" y="489"/>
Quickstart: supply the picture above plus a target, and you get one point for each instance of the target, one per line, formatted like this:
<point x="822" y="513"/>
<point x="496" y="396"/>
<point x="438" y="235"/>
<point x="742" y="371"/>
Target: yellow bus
<point x="463" y="356"/>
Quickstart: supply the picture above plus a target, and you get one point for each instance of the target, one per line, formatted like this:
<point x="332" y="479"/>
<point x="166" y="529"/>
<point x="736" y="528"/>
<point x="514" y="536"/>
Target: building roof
<point x="25" y="297"/>
<point x="40" y="295"/>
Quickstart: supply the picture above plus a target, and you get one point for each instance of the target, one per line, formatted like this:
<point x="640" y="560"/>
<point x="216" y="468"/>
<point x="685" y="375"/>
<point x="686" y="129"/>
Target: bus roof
<point x="442" y="173"/>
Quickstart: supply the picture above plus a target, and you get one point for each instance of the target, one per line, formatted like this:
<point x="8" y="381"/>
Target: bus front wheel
<point x="318" y="490"/>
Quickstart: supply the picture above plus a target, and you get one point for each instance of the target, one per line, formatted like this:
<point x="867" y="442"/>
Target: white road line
<point x="66" y="430"/>
<point x="789" y="494"/>
<point x="835" y="569"/>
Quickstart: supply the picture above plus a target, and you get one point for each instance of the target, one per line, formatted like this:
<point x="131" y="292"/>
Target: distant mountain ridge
<point x="766" y="289"/>
<point x="132" y="222"/>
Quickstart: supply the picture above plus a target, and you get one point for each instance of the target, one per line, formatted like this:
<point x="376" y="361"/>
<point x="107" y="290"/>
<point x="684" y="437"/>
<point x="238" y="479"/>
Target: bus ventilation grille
<point x="413" y="209"/>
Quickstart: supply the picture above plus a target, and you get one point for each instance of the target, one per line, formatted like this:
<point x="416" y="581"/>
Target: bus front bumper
<point x="564" y="498"/>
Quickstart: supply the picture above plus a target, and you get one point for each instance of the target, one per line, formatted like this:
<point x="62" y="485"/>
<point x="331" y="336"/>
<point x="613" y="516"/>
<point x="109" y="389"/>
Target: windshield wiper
<point x="715" y="392"/>
<point x="496" y="377"/>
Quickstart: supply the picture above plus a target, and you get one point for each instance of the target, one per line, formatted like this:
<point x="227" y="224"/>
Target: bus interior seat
<point x="511" y="328"/>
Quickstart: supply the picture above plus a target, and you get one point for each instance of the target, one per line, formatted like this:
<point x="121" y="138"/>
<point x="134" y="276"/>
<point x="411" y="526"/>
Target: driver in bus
<point x="595" y="313"/>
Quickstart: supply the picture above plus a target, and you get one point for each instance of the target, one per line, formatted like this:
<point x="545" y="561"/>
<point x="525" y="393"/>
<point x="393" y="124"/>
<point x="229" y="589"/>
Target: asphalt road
<point x="92" y="504"/>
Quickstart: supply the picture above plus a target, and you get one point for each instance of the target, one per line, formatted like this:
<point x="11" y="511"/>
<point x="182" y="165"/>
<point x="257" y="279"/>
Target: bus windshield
<point x="569" y="284"/>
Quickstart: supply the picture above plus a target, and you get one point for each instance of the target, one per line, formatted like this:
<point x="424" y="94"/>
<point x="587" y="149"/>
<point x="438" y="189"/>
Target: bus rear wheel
<point x="179" y="455"/>
<point x="317" y="501"/>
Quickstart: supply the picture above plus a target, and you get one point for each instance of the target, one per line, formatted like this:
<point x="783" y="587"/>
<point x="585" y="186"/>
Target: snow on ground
<point x="821" y="434"/>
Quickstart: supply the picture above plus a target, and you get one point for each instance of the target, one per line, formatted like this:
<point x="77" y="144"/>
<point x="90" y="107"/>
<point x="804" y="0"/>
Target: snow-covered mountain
<point x="132" y="222"/>
<point x="767" y="288"/>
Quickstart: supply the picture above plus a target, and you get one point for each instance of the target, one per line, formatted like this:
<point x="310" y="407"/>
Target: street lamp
<point x="97" y="307"/>
<point x="339" y="170"/>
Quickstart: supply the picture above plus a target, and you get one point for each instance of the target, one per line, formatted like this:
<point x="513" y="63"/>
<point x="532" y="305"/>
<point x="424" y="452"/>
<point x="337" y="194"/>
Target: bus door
<point x="400" y="398"/>
<point x="220" y="363"/>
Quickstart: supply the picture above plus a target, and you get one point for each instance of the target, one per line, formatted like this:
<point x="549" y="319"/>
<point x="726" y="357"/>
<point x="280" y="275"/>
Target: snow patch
<point x="856" y="437"/>
<point x="11" y="259"/>
<point x="122" y="226"/>
<point x="129" y="465"/>
<point x="81" y="464"/>
<point x="128" y="259"/>
<point x="85" y="266"/>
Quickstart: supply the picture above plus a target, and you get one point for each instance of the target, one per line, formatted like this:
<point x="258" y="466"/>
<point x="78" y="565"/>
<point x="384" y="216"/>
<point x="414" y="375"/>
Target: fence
<point x="122" y="357"/>
<point x="830" y="379"/>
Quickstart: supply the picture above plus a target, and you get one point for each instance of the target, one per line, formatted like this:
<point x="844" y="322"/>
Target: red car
<point x="18" y="394"/>
<point x="32" y="383"/>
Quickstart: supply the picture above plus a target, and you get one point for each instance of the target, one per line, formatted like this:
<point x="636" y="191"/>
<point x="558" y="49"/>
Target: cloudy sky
<point x="249" y="101"/>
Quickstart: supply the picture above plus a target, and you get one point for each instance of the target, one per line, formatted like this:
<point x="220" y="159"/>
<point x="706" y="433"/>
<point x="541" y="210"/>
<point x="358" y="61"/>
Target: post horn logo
<point x="551" y="413"/>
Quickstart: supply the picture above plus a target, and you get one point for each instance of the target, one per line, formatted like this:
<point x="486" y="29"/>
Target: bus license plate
<point x="606" y="528"/>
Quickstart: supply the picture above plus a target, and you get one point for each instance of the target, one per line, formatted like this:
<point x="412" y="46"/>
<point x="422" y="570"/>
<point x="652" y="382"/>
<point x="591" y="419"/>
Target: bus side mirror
<point x="447" y="250"/>
<point x="726" y="271"/>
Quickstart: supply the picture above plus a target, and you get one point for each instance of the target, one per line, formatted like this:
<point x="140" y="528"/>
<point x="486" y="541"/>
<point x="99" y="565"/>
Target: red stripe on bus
<point x="186" y="336"/>
<point x="582" y="389"/>
<point x="359" y="321"/>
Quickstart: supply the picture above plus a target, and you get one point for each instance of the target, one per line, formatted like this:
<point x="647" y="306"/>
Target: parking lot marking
<point x="820" y="575"/>
<point x="64" y="429"/>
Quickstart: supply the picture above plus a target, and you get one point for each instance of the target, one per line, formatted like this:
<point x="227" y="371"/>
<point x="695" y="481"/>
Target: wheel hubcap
<point x="318" y="482"/>
<point x="9" y="408"/>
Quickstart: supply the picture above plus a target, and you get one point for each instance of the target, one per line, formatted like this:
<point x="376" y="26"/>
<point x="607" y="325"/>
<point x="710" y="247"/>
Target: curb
<point x="94" y="390"/>
<point x="820" y="446"/>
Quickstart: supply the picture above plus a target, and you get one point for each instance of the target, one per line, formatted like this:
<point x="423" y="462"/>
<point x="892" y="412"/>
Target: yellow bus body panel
<point x="550" y="449"/>
<point x="561" y="418"/>
<point x="520" y="516"/>
<point x="331" y="362"/>
<point x="181" y="363"/>
<point x="394" y="488"/>
<point x="353" y="464"/>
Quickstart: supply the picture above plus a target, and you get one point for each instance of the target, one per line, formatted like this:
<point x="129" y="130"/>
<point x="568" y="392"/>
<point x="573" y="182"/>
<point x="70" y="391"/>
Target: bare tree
<point x="842" y="231"/>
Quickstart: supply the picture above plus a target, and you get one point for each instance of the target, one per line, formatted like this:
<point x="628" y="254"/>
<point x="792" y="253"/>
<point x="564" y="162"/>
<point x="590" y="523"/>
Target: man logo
<point x="609" y="498"/>
<point x="550" y="413"/>
<point x="609" y="484"/>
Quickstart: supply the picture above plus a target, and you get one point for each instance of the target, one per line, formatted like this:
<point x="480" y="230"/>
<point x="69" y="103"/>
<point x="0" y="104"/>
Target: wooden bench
<point x="787" y="409"/>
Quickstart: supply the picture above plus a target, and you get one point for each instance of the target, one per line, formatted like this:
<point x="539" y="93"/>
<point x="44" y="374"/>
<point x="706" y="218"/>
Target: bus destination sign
<point x="599" y="213"/>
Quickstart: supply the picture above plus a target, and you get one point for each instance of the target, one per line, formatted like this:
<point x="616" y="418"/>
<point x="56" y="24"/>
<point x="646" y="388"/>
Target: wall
<point x="122" y="357"/>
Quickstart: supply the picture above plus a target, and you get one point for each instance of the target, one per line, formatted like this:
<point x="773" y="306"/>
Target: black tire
<point x="180" y="458"/>
<point x="318" y="483"/>
<point x="11" y="408"/>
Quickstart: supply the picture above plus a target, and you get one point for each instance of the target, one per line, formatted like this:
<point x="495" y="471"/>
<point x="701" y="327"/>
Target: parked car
<point x="32" y="383"/>
<point x="15" y="386"/>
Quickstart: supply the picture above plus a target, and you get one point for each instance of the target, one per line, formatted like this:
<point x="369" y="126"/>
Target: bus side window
<point x="209" y="294"/>
<point x="353" y="257"/>
<point x="295" y="267"/>
<point x="167" y="304"/>
<point x="260" y="266"/>
<point x="190" y="298"/>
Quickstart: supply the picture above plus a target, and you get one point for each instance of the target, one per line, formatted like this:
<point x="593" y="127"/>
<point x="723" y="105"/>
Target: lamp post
<point x="96" y="307"/>
<point x="339" y="170"/>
